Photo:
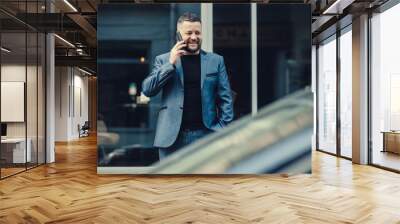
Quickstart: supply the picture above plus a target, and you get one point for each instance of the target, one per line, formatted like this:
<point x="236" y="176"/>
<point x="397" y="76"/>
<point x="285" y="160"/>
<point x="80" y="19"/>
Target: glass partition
<point x="22" y="79"/>
<point x="14" y="150"/>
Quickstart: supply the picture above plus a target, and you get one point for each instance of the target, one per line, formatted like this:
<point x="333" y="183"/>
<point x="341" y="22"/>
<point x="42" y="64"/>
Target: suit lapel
<point x="203" y="62"/>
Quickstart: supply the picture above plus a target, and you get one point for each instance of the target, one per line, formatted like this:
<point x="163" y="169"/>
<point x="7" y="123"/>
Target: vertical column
<point x="338" y="95"/>
<point x="360" y="90"/>
<point x="50" y="92"/>
<point x="314" y="91"/>
<point x="254" y="91"/>
<point x="207" y="26"/>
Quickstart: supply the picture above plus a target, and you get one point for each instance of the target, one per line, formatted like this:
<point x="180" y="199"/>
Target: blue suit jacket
<point x="216" y="98"/>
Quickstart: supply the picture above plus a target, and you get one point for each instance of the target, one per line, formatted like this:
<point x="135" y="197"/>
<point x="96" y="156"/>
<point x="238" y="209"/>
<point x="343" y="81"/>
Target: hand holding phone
<point x="179" y="38"/>
<point x="178" y="50"/>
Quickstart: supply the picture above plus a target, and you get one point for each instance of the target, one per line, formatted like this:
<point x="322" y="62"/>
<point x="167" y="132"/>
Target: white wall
<point x="80" y="100"/>
<point x="71" y="93"/>
<point x="61" y="103"/>
<point x="12" y="73"/>
<point x="33" y="126"/>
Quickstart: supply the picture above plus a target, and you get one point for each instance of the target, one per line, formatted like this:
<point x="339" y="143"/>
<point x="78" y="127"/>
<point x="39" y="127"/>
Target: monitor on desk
<point x="3" y="130"/>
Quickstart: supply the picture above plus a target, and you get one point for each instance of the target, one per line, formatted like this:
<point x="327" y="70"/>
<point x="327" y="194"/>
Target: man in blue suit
<point x="195" y="92"/>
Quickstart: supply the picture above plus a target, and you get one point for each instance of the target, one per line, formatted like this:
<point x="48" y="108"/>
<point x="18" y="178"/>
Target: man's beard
<point x="194" y="50"/>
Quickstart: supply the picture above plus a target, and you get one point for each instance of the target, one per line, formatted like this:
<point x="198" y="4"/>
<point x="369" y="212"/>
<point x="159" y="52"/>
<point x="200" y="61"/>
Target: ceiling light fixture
<point x="337" y="7"/>
<point x="65" y="41"/>
<point x="70" y="5"/>
<point x="84" y="71"/>
<point x="5" y="50"/>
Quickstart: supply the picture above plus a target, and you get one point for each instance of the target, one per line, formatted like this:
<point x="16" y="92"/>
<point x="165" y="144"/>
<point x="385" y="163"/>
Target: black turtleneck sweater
<point x="192" y="111"/>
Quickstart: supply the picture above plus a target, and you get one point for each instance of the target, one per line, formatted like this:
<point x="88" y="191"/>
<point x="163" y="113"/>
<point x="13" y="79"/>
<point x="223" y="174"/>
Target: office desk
<point x="13" y="150"/>
<point x="391" y="141"/>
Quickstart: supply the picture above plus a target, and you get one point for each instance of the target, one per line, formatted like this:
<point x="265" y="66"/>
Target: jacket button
<point x="181" y="107"/>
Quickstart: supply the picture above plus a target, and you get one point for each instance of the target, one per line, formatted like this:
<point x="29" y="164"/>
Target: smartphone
<point x="179" y="38"/>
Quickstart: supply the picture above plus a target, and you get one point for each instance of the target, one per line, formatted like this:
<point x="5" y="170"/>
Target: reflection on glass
<point x="284" y="49"/>
<point x="385" y="114"/>
<point x="327" y="96"/>
<point x="346" y="94"/>
<point x="232" y="39"/>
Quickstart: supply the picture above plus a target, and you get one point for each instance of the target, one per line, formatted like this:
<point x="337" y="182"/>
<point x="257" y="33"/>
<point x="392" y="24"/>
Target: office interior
<point x="49" y="85"/>
<point x="49" y="79"/>
<point x="38" y="108"/>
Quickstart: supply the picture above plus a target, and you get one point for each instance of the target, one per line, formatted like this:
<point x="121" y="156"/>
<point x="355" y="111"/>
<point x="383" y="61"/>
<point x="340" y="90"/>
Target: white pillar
<point x="50" y="99"/>
<point x="207" y="26"/>
<point x="254" y="92"/>
<point x="360" y="90"/>
<point x="50" y="93"/>
<point x="314" y="91"/>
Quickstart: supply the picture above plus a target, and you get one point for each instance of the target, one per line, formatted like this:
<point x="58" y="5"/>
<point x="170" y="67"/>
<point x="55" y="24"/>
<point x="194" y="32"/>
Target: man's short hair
<point x="188" y="16"/>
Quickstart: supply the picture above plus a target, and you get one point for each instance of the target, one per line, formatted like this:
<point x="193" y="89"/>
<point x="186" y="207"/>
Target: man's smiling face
<point x="191" y="34"/>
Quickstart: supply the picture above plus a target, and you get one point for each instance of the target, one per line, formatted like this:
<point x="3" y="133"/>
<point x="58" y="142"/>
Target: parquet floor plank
<point x="70" y="191"/>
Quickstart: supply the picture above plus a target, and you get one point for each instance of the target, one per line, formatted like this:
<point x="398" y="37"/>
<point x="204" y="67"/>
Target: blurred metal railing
<point x="276" y="140"/>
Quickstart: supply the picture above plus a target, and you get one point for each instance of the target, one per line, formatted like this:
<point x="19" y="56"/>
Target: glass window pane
<point x="346" y="94"/>
<point x="327" y="96"/>
<point x="385" y="86"/>
<point x="283" y="50"/>
<point x="232" y="40"/>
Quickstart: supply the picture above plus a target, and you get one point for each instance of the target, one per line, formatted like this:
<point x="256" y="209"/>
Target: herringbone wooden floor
<point x="70" y="191"/>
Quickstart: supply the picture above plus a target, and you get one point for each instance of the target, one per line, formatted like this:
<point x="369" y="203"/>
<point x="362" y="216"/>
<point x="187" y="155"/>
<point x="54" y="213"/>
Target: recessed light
<point x="70" y="5"/>
<point x="5" y="50"/>
<point x="64" y="40"/>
